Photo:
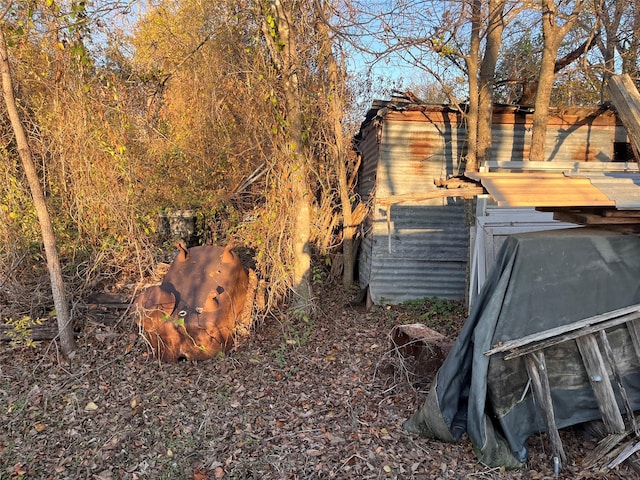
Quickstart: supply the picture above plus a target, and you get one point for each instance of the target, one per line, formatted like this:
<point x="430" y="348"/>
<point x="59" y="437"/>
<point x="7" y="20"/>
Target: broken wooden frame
<point x="597" y="363"/>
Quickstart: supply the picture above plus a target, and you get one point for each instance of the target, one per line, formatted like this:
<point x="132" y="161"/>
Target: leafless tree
<point x="555" y="25"/>
<point x="65" y="328"/>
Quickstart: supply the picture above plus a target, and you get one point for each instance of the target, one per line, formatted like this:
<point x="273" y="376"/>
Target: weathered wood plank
<point x="566" y="337"/>
<point x="599" y="211"/>
<point x="603" y="449"/>
<point x="634" y="332"/>
<point x="440" y="193"/>
<point x="617" y="376"/>
<point x="584" y="218"/>
<point x="626" y="101"/>
<point x="620" y="213"/>
<point x="601" y="321"/>
<point x="537" y="370"/>
<point x="38" y="332"/>
<point x="599" y="379"/>
<point x="631" y="448"/>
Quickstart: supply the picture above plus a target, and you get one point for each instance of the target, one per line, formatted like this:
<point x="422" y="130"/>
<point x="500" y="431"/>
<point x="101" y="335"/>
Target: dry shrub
<point x="80" y="137"/>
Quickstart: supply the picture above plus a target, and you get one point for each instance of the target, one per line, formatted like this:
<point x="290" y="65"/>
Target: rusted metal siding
<point x="415" y="153"/>
<point x="578" y="135"/>
<point x="369" y="149"/>
<point x="417" y="249"/>
<point x="413" y="249"/>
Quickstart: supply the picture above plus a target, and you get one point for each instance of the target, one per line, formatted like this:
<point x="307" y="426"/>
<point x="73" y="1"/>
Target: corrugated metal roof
<point x="622" y="188"/>
<point x="570" y="189"/>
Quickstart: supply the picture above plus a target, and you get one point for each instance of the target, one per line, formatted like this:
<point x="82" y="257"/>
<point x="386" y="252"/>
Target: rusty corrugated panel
<point x="579" y="135"/>
<point x="541" y="190"/>
<point x="576" y="134"/>
<point x="558" y="117"/>
<point x="418" y="249"/>
<point x="414" y="154"/>
<point x="368" y="147"/>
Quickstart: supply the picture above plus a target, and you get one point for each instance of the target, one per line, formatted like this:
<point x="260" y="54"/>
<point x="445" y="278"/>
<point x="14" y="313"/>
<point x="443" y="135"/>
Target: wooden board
<point x="626" y="101"/>
<point x="537" y="370"/>
<point x="541" y="190"/>
<point x="562" y="333"/>
<point x="583" y="218"/>
<point x="599" y="379"/>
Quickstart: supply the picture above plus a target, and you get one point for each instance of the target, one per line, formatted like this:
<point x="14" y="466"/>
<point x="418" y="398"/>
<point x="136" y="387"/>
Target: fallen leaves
<point x="39" y="427"/>
<point x="322" y="408"/>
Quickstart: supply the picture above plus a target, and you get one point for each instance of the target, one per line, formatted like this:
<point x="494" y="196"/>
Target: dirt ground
<point x="297" y="400"/>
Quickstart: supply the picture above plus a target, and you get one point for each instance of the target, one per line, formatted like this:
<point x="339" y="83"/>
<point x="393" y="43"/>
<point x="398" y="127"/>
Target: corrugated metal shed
<point x="415" y="248"/>
<point x="412" y="248"/>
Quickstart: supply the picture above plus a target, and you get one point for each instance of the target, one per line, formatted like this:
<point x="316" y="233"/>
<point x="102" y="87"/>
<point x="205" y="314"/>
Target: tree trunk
<point x="630" y="59"/>
<point x="283" y="46"/>
<point x="610" y="21"/>
<point x="65" y="329"/>
<point x="472" y="68"/>
<point x="495" y="26"/>
<point x="336" y="113"/>
<point x="553" y="36"/>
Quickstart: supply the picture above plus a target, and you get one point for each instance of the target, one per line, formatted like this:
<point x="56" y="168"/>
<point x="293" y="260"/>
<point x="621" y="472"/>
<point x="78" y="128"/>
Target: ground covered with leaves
<point x="324" y="398"/>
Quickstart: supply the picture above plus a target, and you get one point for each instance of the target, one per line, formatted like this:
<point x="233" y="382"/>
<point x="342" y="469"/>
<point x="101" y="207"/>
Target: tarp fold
<point x="541" y="280"/>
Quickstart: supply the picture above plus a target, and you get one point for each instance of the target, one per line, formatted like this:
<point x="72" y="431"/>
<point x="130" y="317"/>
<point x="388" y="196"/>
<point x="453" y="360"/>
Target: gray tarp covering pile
<point x="541" y="280"/>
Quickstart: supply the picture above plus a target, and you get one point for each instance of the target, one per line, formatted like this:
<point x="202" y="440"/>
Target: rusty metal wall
<point x="369" y="149"/>
<point x="413" y="249"/>
<point x="421" y="248"/>
<point x="578" y="135"/>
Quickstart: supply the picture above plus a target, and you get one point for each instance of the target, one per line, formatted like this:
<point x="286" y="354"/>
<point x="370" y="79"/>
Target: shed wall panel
<point x="439" y="279"/>
<point x="369" y="149"/>
<point x="418" y="249"/>
<point x="421" y="249"/>
<point x="421" y="252"/>
<point x="413" y="154"/>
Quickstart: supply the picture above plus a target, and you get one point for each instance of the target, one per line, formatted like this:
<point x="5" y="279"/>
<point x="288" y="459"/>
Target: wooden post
<point x="611" y="360"/>
<point x="599" y="379"/>
<point x="634" y="332"/>
<point x="537" y="369"/>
